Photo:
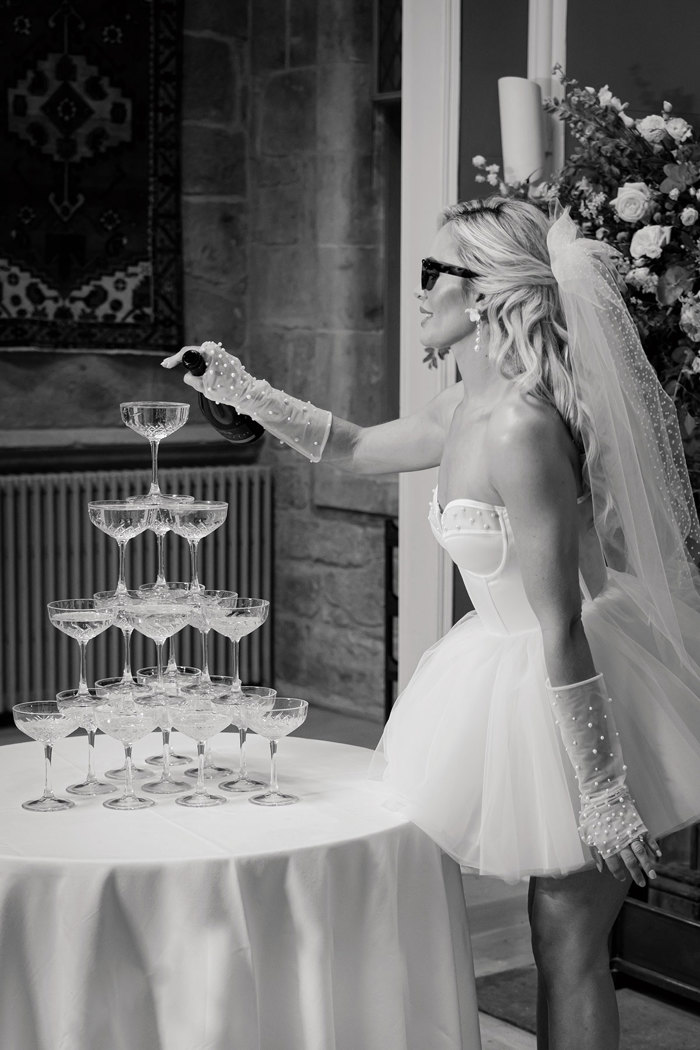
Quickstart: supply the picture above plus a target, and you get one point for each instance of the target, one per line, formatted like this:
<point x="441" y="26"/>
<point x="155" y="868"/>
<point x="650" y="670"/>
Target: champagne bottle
<point x="236" y="428"/>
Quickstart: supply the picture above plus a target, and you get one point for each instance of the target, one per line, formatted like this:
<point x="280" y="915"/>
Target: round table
<point x="332" y="924"/>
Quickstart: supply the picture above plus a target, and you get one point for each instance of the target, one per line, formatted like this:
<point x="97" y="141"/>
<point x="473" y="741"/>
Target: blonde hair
<point x="504" y="242"/>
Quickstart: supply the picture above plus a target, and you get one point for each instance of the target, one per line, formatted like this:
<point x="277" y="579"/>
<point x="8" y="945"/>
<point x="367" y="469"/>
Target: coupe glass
<point x="127" y="722"/>
<point x="204" y="602"/>
<point x="219" y="688"/>
<point x="186" y="677"/>
<point x="115" y="690"/>
<point x="159" y="617"/>
<point x="81" y="619"/>
<point x="115" y="602"/>
<point x="201" y="720"/>
<point x="194" y="521"/>
<point x="235" y="618"/>
<point x="175" y="589"/>
<point x="122" y="519"/>
<point x="286" y="715"/>
<point x="82" y="709"/>
<point x="161" y="528"/>
<point x="44" y="721"/>
<point x="253" y="698"/>
<point x="154" y="420"/>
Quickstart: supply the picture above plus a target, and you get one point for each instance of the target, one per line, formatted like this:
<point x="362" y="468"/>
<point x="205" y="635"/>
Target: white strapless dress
<point x="471" y="752"/>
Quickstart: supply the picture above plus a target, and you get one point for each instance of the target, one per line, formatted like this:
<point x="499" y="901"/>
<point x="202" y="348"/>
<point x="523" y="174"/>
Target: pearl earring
<point x="475" y="317"/>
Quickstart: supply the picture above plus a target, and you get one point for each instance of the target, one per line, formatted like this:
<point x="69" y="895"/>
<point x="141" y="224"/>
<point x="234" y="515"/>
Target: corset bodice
<point x="479" y="539"/>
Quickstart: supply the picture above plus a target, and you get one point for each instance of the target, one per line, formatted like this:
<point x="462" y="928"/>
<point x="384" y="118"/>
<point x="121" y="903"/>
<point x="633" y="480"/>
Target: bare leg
<point x="571" y="919"/>
<point x="542" y="1022"/>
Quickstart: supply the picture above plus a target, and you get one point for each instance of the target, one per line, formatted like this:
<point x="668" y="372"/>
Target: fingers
<point x="194" y="381"/>
<point x="176" y="359"/>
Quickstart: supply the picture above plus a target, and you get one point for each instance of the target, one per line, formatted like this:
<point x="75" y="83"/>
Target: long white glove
<point x="298" y="424"/>
<point x="608" y="818"/>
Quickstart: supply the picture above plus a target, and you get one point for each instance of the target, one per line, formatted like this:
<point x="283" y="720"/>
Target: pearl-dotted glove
<point x="298" y="424"/>
<point x="608" y="819"/>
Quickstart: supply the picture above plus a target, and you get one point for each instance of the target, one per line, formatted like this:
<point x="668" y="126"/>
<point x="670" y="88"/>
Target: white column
<point x="429" y="165"/>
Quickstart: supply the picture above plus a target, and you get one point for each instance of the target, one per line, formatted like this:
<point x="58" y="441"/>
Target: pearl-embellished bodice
<point x="479" y="539"/>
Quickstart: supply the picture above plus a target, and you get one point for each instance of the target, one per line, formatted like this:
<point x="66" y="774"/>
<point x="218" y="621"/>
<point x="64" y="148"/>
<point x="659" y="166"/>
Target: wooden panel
<point x="657" y="948"/>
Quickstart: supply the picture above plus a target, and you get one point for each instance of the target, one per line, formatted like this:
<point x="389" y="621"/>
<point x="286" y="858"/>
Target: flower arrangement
<point x="635" y="184"/>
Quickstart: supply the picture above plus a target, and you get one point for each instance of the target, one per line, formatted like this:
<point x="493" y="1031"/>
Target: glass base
<point x="165" y="787"/>
<point x="175" y="758"/>
<point x="91" y="788"/>
<point x="241" y="784"/>
<point x="120" y="774"/>
<point x="52" y="804"/>
<point x="210" y="772"/>
<point x="196" y="801"/>
<point x="128" y="802"/>
<point x="273" y="798"/>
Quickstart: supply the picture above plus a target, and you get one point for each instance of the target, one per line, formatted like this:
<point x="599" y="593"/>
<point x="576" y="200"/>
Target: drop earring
<point x="475" y="317"/>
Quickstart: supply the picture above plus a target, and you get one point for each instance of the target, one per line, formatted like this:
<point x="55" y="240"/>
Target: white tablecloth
<point x="332" y="924"/>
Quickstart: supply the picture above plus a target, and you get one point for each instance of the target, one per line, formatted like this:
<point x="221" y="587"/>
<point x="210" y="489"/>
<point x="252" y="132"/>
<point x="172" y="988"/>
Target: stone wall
<point x="282" y="230"/>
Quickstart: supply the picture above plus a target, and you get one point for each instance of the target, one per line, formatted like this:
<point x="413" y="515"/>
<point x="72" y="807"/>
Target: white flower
<point x="689" y="322"/>
<point x="493" y="168"/>
<point x="674" y="193"/>
<point x="627" y="121"/>
<point x="606" y="98"/>
<point x="649" y="242"/>
<point x="667" y="107"/>
<point x="641" y="277"/>
<point x="478" y="161"/>
<point x="632" y="201"/>
<point x="479" y="178"/>
<point x="695" y="366"/>
<point x="689" y="216"/>
<point x="652" y="128"/>
<point x="492" y="178"/>
<point x="679" y="129"/>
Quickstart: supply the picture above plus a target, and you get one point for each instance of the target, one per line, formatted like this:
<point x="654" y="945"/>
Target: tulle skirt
<point x="472" y="755"/>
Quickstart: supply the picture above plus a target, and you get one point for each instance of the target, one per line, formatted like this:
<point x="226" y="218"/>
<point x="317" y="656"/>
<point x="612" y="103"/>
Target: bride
<point x="553" y="733"/>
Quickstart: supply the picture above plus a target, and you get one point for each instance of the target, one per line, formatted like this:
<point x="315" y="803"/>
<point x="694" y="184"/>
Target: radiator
<point x="50" y="550"/>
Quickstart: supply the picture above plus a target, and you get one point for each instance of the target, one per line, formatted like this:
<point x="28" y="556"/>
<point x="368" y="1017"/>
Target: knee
<point x="566" y="953"/>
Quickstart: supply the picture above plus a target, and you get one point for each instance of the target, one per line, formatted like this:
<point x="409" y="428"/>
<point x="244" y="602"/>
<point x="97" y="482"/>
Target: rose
<point x="679" y="129"/>
<point x="649" y="241"/>
<point x="689" y="216"/>
<point x="632" y="201"/>
<point x="652" y="128"/>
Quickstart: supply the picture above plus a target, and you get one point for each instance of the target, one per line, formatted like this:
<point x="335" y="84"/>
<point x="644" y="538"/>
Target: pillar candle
<point x="520" y="103"/>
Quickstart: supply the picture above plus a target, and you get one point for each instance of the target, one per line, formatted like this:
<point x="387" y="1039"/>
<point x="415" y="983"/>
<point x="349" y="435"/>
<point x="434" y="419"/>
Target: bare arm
<point x="410" y="443"/>
<point x="532" y="471"/>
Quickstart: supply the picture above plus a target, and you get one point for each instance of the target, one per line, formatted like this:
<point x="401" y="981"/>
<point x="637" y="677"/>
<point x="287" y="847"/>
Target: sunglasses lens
<point x="428" y="278"/>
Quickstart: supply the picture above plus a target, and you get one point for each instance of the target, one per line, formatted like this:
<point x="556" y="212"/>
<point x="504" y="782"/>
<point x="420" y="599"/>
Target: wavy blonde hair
<point x="504" y="242"/>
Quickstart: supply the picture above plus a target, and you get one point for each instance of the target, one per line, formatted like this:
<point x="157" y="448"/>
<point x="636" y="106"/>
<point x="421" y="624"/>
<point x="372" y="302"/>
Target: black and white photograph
<point x="349" y="536"/>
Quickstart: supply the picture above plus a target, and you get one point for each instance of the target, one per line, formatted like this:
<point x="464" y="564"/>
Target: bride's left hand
<point x="636" y="859"/>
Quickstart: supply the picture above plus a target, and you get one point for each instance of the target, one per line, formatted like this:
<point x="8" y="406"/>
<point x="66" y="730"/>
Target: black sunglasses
<point x="431" y="270"/>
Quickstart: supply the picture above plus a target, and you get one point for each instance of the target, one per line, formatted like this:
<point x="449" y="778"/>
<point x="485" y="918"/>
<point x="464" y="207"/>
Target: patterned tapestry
<point x="89" y="169"/>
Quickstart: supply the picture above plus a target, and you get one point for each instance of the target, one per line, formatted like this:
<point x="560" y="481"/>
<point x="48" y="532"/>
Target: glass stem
<point x="235" y="642"/>
<point x="48" y="751"/>
<point x="129" y="772"/>
<point x="160" y="578"/>
<point x="205" y="656"/>
<point x="194" y="579"/>
<point x="172" y="659"/>
<point x="200" y="790"/>
<point x="121" y="582"/>
<point x="242" y="734"/>
<point x="91" y="756"/>
<point x="274" y="786"/>
<point x="159" y="666"/>
<point x="82" y="680"/>
<point x="166" y="754"/>
<point x="126" y="635"/>
<point x="155" y="489"/>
